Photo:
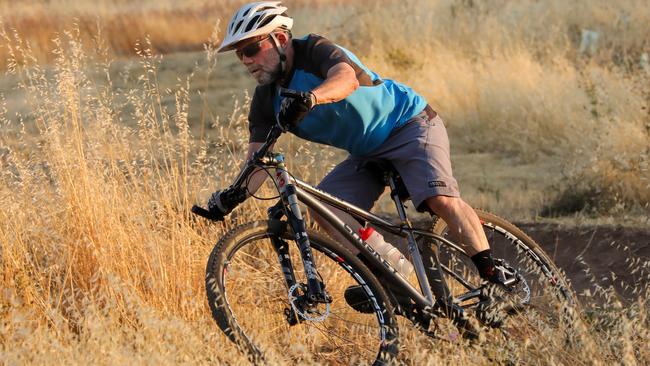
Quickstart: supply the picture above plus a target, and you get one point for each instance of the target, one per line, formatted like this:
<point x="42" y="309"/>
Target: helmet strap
<point x="283" y="56"/>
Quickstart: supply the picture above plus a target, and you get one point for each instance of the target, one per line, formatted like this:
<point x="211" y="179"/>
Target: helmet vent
<point x="246" y="12"/>
<point x="252" y="23"/>
<point x="266" y="21"/>
<point x="237" y="26"/>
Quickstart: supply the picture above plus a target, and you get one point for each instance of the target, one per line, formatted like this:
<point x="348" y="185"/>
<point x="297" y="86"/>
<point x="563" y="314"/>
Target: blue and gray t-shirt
<point x="359" y="123"/>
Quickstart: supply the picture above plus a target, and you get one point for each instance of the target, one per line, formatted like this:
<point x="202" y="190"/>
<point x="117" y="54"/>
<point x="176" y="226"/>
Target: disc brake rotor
<point x="311" y="313"/>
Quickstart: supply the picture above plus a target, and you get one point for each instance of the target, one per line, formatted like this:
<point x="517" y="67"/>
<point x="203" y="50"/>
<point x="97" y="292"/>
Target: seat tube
<point x="297" y="222"/>
<point x="412" y="246"/>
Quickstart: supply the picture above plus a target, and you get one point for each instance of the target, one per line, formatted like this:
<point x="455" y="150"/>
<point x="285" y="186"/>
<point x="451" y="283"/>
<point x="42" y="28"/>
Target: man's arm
<point x="341" y="81"/>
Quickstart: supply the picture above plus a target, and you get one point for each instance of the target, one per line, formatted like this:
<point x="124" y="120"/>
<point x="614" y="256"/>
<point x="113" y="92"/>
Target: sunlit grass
<point x="101" y="259"/>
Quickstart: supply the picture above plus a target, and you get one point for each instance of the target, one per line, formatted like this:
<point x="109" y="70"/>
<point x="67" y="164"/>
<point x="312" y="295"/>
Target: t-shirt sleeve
<point x="261" y="116"/>
<point x="326" y="54"/>
<point x="323" y="54"/>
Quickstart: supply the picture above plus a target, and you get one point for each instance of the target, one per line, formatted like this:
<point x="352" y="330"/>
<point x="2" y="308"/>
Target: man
<point x="352" y="108"/>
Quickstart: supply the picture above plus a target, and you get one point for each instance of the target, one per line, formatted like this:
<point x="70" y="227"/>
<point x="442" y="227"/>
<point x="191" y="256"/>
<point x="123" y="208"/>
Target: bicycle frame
<point x="294" y="190"/>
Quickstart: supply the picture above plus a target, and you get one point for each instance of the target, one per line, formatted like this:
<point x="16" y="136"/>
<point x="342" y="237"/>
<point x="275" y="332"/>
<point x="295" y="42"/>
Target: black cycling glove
<point x="221" y="203"/>
<point x="293" y="110"/>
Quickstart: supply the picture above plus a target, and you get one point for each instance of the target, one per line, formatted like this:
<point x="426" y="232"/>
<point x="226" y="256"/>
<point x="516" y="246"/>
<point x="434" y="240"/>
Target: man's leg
<point x="332" y="232"/>
<point x="421" y="153"/>
<point x="362" y="188"/>
<point x="465" y="227"/>
<point x="464" y="224"/>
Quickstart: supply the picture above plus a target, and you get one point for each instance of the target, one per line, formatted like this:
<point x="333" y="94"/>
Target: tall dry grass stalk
<point x="507" y="77"/>
<point x="103" y="263"/>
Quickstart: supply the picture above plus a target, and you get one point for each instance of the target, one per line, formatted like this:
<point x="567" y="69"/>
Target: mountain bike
<point x="274" y="286"/>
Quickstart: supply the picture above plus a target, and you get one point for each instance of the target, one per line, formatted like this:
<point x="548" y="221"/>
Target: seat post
<point x="412" y="246"/>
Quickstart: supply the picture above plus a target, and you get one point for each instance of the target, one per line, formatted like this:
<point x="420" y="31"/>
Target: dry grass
<point x="101" y="260"/>
<point x="507" y="77"/>
<point x="171" y="26"/>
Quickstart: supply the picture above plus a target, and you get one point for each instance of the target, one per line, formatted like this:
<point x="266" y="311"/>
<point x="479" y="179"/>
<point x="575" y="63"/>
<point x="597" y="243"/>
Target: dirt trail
<point x="596" y="254"/>
<point x="590" y="255"/>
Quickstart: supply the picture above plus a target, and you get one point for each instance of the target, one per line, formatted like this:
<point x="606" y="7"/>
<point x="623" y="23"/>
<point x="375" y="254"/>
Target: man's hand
<point x="293" y="110"/>
<point x="221" y="203"/>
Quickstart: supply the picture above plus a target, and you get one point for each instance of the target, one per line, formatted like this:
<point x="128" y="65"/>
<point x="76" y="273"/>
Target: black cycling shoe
<point x="500" y="296"/>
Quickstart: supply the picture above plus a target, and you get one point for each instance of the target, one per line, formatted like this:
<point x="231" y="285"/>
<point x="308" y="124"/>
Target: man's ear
<point x="283" y="38"/>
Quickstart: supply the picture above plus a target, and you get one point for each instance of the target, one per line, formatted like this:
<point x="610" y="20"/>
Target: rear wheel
<point x="250" y="302"/>
<point x="542" y="297"/>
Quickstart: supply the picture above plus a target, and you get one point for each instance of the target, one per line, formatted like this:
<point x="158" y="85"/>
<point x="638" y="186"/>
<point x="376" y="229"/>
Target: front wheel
<point x="544" y="312"/>
<point x="251" y="303"/>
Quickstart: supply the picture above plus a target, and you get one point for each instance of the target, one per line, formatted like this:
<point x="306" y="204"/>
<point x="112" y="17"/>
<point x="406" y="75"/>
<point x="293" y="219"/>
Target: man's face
<point x="261" y="59"/>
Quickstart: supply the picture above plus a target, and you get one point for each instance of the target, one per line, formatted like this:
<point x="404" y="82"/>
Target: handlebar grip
<point x="198" y="210"/>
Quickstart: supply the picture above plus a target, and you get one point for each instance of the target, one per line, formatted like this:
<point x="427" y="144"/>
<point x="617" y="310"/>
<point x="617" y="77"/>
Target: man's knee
<point x="443" y="205"/>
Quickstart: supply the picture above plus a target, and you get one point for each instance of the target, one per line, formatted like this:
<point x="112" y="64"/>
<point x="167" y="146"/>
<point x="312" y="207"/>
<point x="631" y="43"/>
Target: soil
<point x="597" y="255"/>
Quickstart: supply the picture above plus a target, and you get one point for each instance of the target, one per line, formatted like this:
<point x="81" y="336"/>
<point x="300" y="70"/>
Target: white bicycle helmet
<point x="255" y="19"/>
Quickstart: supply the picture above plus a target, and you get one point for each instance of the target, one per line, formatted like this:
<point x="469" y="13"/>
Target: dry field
<point x="105" y="144"/>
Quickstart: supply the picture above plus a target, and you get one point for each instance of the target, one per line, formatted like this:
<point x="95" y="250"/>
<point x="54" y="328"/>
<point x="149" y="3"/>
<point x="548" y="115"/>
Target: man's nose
<point x="246" y="60"/>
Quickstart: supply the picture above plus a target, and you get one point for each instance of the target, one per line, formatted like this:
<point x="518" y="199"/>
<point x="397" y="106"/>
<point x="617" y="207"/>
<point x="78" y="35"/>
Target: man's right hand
<point x="221" y="203"/>
<point x="293" y="110"/>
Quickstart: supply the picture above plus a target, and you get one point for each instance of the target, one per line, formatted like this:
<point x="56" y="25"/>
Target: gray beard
<point x="268" y="78"/>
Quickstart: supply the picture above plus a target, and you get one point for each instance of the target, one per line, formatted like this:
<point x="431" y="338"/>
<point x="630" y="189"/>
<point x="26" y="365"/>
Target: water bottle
<point x="387" y="251"/>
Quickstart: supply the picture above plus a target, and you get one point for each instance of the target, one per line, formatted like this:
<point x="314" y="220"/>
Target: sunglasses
<point x="250" y="50"/>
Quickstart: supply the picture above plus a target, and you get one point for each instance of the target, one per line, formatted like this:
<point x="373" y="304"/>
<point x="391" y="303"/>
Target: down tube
<point x="349" y="234"/>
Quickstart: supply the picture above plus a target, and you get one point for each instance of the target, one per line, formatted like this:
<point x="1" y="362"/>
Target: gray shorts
<point x="419" y="150"/>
